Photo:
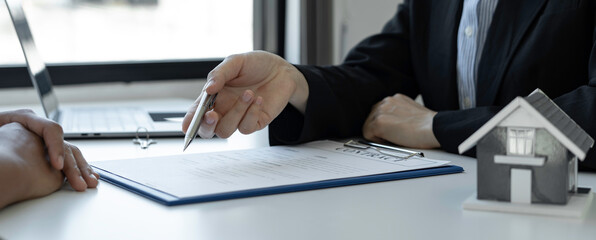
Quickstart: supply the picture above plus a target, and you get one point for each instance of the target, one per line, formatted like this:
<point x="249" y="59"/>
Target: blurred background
<point x="132" y="49"/>
<point x="131" y="30"/>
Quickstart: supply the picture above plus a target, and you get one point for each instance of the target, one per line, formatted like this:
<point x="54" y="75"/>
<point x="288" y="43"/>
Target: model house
<point x="528" y="152"/>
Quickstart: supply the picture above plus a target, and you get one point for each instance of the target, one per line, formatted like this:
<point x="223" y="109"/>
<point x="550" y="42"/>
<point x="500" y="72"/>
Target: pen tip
<point x="186" y="144"/>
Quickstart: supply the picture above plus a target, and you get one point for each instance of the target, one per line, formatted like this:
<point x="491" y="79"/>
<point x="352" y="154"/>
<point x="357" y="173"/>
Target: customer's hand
<point x="402" y="121"/>
<point x="62" y="155"/>
<point x="26" y="173"/>
<point x="253" y="88"/>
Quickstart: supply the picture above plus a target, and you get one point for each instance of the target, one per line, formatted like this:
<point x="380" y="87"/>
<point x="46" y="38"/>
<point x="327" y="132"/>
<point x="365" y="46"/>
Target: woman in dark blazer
<point x="546" y="44"/>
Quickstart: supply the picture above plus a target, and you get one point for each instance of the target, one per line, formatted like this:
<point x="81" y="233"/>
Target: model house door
<point x="521" y="185"/>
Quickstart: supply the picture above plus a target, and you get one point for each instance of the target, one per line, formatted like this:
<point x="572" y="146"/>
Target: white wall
<point x="354" y="20"/>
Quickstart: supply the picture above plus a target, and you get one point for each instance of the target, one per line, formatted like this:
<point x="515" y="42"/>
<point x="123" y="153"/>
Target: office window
<point x="130" y="40"/>
<point x="71" y="31"/>
<point x="520" y="141"/>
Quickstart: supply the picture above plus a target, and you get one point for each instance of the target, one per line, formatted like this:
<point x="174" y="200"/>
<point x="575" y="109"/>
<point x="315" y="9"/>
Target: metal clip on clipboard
<point x="143" y="142"/>
<point x="361" y="144"/>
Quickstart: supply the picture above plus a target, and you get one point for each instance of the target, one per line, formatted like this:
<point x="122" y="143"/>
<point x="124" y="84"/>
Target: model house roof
<point x="548" y="115"/>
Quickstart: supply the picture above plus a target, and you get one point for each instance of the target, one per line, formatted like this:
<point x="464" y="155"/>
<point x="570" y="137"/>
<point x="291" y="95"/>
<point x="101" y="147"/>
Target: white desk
<point x="422" y="208"/>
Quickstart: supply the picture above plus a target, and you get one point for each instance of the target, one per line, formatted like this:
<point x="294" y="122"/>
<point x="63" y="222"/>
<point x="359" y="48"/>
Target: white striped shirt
<point x="473" y="27"/>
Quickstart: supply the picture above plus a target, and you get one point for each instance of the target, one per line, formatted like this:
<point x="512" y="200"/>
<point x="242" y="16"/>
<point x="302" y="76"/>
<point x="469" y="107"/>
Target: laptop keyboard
<point x="106" y="120"/>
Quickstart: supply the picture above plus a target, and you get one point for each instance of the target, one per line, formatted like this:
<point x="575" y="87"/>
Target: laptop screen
<point x="37" y="68"/>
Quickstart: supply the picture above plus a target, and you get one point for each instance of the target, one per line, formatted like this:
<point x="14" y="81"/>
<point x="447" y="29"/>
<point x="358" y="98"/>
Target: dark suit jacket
<point x="546" y="44"/>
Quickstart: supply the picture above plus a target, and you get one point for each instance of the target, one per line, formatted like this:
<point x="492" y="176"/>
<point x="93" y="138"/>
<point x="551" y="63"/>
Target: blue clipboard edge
<point x="135" y="187"/>
<point x="171" y="200"/>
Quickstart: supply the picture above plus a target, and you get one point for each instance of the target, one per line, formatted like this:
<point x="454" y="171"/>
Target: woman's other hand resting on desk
<point x="34" y="158"/>
<point x="402" y="121"/>
<point x="253" y="88"/>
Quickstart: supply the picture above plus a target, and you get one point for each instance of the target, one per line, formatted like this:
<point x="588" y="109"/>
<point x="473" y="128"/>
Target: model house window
<point x="520" y="141"/>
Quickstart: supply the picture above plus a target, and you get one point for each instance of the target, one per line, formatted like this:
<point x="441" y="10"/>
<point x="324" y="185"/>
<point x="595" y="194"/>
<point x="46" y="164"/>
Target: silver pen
<point x="207" y="101"/>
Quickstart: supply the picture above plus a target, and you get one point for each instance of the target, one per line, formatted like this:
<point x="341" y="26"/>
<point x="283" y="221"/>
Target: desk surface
<point x="422" y="208"/>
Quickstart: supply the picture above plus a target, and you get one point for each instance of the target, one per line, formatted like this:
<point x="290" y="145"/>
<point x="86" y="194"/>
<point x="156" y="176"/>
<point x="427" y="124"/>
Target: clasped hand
<point x="36" y="140"/>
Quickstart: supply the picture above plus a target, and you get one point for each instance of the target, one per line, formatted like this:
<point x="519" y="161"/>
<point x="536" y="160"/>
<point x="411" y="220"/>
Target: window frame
<point x="80" y="73"/>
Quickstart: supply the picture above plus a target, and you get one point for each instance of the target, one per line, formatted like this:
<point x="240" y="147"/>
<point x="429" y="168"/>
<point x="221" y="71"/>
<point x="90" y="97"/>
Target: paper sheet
<point x="218" y="172"/>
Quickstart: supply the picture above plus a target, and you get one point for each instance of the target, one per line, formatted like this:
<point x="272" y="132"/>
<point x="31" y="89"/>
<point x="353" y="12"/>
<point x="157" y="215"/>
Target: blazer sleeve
<point x="341" y="97"/>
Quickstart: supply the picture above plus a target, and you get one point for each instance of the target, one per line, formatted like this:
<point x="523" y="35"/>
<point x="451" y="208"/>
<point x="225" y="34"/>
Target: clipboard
<point x="171" y="200"/>
<point x="140" y="180"/>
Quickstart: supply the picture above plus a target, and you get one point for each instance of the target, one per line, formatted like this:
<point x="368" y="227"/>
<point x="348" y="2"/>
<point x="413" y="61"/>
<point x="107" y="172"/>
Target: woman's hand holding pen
<point x="253" y="88"/>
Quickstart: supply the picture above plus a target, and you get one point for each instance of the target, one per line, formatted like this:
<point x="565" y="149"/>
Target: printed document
<point x="218" y="172"/>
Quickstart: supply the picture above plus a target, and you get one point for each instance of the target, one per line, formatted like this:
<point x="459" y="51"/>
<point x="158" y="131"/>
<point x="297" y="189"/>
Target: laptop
<point x="90" y="121"/>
